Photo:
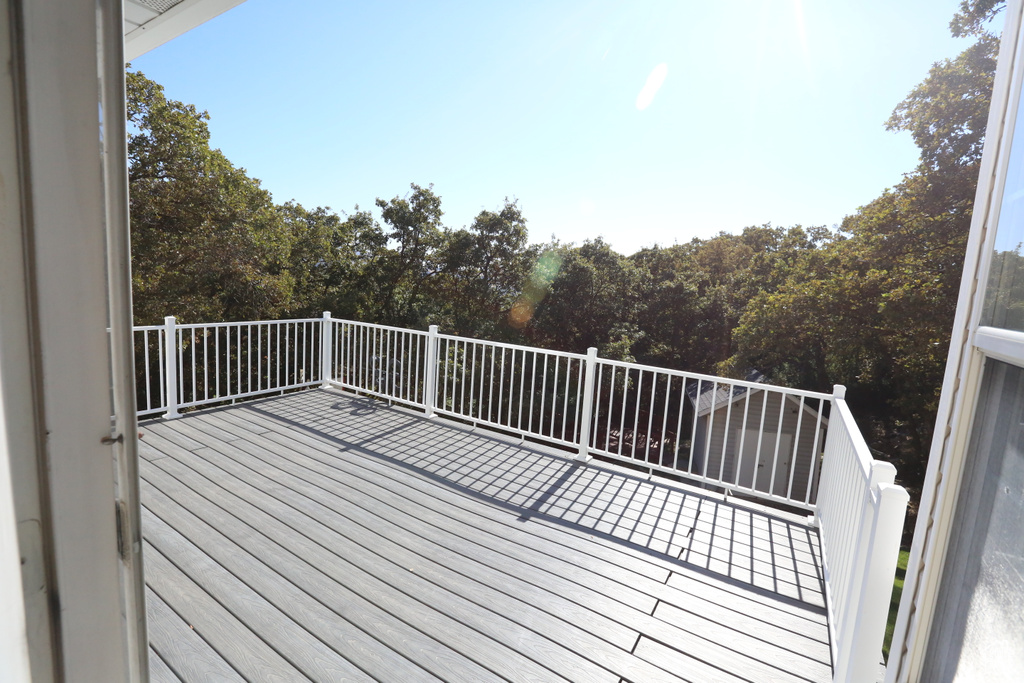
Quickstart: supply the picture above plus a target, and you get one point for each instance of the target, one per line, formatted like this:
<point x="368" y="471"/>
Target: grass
<point x="894" y="603"/>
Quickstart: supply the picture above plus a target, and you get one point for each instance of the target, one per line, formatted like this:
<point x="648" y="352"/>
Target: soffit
<point x="151" y="23"/>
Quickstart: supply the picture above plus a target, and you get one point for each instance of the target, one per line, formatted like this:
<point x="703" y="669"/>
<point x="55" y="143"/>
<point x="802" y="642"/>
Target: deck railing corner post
<point x="170" y="368"/>
<point x="326" y="349"/>
<point x="588" y="406"/>
<point x="430" y="362"/>
<point x="839" y="391"/>
<point x="881" y="554"/>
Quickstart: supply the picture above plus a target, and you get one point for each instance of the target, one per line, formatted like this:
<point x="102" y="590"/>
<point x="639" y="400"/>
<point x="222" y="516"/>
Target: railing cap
<point x="838" y="391"/>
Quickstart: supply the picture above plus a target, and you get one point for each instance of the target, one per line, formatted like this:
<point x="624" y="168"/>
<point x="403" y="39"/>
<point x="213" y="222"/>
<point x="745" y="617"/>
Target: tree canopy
<point x="869" y="304"/>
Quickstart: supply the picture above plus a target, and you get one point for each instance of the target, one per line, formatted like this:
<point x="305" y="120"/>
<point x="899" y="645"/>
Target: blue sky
<point x="767" y="110"/>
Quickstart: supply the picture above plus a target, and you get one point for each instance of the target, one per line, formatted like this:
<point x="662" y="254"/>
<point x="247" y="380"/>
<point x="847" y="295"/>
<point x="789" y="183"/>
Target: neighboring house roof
<point x="151" y="23"/>
<point x="712" y="396"/>
<point x="715" y="398"/>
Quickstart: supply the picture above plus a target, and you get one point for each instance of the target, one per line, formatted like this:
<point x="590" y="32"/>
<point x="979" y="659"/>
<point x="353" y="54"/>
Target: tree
<point x="207" y="242"/>
<point x="398" y="274"/>
<point x="592" y="300"/>
<point x="873" y="309"/>
<point x="483" y="272"/>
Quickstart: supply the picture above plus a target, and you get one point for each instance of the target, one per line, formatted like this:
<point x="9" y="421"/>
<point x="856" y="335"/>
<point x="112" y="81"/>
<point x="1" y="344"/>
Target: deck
<point x="323" y="536"/>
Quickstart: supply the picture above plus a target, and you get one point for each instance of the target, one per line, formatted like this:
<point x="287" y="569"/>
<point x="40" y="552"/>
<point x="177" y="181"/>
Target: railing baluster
<point x="679" y="425"/>
<point x="522" y="384"/>
<point x="650" y="417"/>
<point x="490" y="389"/>
<point x="725" y="432"/>
<point x="595" y="417"/>
<point x="543" y="394"/>
<point x="636" y="411"/>
<point x="738" y="466"/>
<point x="472" y="381"/>
<point x="778" y="441"/>
<point x="760" y="440"/>
<point x="796" y="444"/>
<point x="480" y="391"/>
<point x="622" y="409"/>
<point x="501" y="386"/>
<point x="664" y="420"/>
<point x="815" y="454"/>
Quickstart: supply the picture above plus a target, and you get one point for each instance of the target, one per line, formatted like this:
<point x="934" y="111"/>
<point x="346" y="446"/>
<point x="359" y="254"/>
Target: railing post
<point x="170" y="368"/>
<point x="326" y="349"/>
<point x="890" y="507"/>
<point x="588" y="405"/>
<point x="881" y="476"/>
<point x="430" y="362"/>
<point x="824" y="488"/>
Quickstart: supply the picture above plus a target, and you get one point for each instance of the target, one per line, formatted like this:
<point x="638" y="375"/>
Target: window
<point x="979" y="632"/>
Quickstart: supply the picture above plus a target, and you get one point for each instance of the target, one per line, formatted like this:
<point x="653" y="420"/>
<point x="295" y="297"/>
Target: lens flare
<point x="652" y="86"/>
<point x="537" y="286"/>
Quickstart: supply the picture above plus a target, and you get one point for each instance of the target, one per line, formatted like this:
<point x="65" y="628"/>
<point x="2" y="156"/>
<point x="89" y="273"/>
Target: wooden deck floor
<point x="323" y="536"/>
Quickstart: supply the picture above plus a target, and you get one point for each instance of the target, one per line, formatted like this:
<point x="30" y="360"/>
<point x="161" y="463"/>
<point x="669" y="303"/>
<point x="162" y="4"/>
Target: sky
<point x="639" y="122"/>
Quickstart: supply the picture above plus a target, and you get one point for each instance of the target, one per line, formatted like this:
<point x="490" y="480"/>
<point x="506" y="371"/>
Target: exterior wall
<point x="727" y="426"/>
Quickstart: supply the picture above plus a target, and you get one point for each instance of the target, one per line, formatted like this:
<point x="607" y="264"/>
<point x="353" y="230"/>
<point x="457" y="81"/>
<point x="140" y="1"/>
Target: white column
<point x="876" y="589"/>
<point x="326" y="349"/>
<point x="170" y="368"/>
<point x="881" y="475"/>
<point x="588" y="405"/>
<point x="430" y="371"/>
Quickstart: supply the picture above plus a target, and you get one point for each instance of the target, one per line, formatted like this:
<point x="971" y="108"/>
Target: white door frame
<point x="64" y="280"/>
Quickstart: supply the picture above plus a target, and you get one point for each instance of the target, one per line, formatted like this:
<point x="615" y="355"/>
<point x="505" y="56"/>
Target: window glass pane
<point x="978" y="634"/>
<point x="1004" y="295"/>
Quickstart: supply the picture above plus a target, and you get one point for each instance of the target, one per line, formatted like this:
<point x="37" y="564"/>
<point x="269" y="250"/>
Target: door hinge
<point x="121" y="513"/>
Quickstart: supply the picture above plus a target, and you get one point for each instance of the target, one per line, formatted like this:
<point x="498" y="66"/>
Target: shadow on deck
<point x="324" y="536"/>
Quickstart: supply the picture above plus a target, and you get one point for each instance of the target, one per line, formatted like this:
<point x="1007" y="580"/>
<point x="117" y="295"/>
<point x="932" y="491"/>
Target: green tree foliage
<point x="869" y="306"/>
<point x="207" y="242"/>
<point x="592" y="301"/>
<point x="484" y="268"/>
<point x="398" y="275"/>
<point x="873" y="307"/>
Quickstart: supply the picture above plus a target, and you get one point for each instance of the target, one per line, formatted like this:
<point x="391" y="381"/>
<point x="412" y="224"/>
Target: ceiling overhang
<point x="151" y="23"/>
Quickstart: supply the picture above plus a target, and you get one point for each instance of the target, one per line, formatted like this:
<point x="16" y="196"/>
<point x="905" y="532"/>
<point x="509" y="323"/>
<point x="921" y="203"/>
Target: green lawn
<point x="894" y="604"/>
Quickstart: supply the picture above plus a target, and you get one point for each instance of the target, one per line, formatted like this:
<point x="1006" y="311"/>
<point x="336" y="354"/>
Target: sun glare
<point x="652" y="86"/>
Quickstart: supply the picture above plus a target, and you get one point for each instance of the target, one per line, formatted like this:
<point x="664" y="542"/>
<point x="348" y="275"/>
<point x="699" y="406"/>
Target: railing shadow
<point x="768" y="554"/>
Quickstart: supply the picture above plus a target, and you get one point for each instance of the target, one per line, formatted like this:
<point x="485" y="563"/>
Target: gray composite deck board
<point x="337" y="593"/>
<point x="179" y="648"/>
<point x="341" y="539"/>
<point x="159" y="672"/>
<point x="637" y="622"/>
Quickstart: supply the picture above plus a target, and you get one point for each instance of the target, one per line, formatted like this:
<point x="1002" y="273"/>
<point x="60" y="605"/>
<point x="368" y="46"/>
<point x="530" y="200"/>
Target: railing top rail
<point x="520" y="347"/>
<point x="239" y="323"/>
<point x="145" y="328"/>
<point x="720" y="380"/>
<point x="860" y="446"/>
<point x="377" y="327"/>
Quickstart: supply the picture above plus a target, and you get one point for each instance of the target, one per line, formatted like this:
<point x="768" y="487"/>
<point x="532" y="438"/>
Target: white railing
<point x="748" y="438"/>
<point x="797" y="448"/>
<point x="860" y="515"/>
<point x="519" y="389"/>
<point x="150" y="368"/>
<point x="218" y="362"/>
<point x="382" y="361"/>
